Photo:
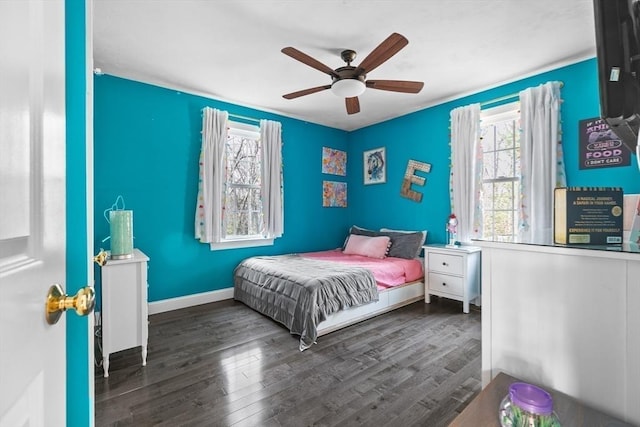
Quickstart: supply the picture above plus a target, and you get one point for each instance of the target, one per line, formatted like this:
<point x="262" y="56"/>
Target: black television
<point x="617" y="25"/>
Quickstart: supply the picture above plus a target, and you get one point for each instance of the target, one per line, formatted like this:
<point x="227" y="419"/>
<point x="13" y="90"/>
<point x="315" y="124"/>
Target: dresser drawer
<point x="450" y="284"/>
<point x="446" y="263"/>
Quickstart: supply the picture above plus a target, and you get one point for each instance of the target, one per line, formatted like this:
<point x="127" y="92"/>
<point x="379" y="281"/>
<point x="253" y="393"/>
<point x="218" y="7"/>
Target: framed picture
<point x="334" y="194"/>
<point x="599" y="146"/>
<point x="334" y="161"/>
<point x="374" y="166"/>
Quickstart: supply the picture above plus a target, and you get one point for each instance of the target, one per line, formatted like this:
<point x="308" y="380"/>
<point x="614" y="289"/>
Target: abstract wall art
<point x="334" y="162"/>
<point x="334" y="194"/>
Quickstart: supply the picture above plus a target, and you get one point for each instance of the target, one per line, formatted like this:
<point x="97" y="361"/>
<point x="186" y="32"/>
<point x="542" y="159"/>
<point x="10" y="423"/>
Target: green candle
<point x="121" y="225"/>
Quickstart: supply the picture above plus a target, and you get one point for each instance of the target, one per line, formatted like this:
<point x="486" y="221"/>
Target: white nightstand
<point x="124" y="306"/>
<point x="452" y="273"/>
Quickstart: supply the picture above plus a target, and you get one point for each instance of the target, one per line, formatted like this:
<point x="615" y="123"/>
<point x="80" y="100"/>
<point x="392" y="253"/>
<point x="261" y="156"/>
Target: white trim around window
<point x="238" y="243"/>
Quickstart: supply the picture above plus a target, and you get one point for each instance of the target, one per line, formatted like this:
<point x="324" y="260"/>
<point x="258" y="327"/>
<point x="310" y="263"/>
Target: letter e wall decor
<point x="411" y="178"/>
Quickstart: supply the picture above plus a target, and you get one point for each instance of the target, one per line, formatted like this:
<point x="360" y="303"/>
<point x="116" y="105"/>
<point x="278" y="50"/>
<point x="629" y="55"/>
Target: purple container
<point x="531" y="398"/>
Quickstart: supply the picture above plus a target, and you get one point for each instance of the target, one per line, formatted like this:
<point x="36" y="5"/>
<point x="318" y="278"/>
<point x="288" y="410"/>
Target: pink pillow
<point x="372" y="247"/>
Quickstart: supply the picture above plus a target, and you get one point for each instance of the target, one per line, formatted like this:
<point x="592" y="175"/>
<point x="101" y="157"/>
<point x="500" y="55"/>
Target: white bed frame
<point x="390" y="299"/>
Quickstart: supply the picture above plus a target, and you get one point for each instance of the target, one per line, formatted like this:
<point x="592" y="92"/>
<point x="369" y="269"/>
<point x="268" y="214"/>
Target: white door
<point x="32" y="211"/>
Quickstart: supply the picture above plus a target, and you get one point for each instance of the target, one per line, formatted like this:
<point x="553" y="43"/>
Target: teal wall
<point x="424" y="136"/>
<point x="147" y="142"/>
<point x="78" y="363"/>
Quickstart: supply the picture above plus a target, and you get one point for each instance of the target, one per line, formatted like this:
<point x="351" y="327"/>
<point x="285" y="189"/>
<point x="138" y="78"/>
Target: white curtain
<point x="542" y="163"/>
<point x="466" y="169"/>
<point x="272" y="195"/>
<point x="209" y="209"/>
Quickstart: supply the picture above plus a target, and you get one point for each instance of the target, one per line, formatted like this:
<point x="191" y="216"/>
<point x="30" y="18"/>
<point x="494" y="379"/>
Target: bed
<point x="315" y="293"/>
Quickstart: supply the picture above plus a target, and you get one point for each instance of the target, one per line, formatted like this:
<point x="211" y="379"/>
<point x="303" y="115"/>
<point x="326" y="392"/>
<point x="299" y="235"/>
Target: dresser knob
<point x="445" y="264"/>
<point x="444" y="284"/>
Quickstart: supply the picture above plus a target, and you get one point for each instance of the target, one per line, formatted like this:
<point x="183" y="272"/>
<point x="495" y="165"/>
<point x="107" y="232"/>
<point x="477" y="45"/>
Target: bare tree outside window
<point x="501" y="177"/>
<point x="243" y="205"/>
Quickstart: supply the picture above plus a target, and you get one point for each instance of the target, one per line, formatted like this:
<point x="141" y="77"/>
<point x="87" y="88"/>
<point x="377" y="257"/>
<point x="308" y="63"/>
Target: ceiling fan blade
<point x="353" y="105"/>
<point x="395" y="85"/>
<point x="306" y="59"/>
<point x="306" y="92"/>
<point x="380" y="54"/>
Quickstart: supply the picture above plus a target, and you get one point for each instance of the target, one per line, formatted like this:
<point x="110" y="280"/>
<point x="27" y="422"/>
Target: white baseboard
<point x="189" y="300"/>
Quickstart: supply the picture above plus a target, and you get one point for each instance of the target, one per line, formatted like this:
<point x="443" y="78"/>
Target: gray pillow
<point x="423" y="232"/>
<point x="404" y="245"/>
<point x="364" y="232"/>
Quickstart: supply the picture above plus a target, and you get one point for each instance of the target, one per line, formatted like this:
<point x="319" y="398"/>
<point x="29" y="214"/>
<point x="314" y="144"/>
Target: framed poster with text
<point x="600" y="147"/>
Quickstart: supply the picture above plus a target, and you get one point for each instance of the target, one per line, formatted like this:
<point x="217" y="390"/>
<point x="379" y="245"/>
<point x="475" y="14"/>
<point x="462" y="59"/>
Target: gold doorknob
<point x="101" y="257"/>
<point x="58" y="302"/>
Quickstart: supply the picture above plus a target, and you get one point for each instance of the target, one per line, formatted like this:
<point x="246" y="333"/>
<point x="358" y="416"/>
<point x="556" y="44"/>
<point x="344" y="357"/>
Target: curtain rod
<point x="506" y="97"/>
<point x="502" y="98"/>
<point x="237" y="116"/>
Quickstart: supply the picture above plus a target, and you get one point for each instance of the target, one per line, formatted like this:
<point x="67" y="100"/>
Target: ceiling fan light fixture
<point x="348" y="88"/>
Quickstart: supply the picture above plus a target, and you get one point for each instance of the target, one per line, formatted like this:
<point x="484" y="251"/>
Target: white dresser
<point x="124" y="306"/>
<point x="567" y="318"/>
<point x="452" y="273"/>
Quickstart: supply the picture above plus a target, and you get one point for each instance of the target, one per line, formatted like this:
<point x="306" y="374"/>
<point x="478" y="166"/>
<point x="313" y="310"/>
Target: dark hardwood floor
<point x="222" y="364"/>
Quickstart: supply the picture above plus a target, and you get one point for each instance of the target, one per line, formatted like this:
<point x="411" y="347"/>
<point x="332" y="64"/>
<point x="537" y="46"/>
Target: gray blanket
<point x="299" y="292"/>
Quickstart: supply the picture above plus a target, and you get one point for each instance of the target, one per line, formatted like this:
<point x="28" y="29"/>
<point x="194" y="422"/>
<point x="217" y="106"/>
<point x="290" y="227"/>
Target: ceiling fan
<point x="349" y="81"/>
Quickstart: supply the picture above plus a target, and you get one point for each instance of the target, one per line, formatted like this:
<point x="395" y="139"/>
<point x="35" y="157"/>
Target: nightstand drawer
<point x="445" y="263"/>
<point x="450" y="284"/>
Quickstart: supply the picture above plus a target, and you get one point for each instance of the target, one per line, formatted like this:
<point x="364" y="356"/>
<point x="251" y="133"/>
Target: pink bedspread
<point x="388" y="272"/>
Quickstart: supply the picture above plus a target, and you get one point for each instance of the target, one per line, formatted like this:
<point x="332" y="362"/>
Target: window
<point x="500" y="141"/>
<point x="240" y="188"/>
<point x="242" y="191"/>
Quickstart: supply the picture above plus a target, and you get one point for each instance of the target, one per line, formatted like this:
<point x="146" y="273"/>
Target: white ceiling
<point x="230" y="49"/>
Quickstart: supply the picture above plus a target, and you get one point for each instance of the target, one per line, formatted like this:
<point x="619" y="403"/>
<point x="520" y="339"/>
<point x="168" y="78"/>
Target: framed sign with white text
<point x="600" y="147"/>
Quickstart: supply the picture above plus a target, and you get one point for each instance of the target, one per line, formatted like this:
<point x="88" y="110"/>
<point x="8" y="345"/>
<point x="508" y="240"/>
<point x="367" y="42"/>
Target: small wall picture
<point x="600" y="147"/>
<point x="334" y="194"/>
<point x="334" y="161"/>
<point x="375" y="166"/>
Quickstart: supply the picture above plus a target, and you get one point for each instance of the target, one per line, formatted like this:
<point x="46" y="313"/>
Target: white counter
<point x="564" y="317"/>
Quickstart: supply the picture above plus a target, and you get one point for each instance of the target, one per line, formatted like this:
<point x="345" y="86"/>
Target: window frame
<point x="240" y="241"/>
<point x="492" y="116"/>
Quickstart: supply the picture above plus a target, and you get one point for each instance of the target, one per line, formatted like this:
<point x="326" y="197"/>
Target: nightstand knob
<point x="101" y="258"/>
<point x="444" y="284"/>
<point x="445" y="264"/>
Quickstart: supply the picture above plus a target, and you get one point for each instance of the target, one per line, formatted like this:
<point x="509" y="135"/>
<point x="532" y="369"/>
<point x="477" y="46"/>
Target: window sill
<point x="240" y="243"/>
